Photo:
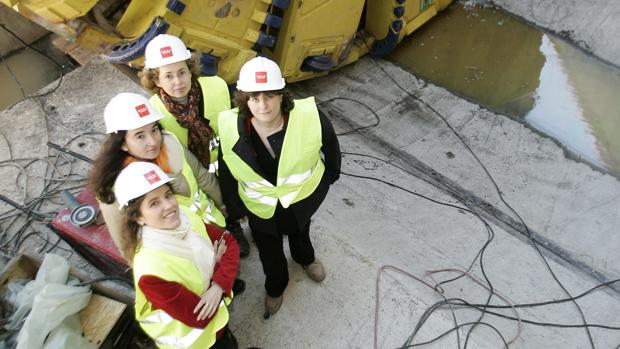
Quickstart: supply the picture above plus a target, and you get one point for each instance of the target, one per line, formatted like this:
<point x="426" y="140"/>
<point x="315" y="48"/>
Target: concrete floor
<point x="365" y="225"/>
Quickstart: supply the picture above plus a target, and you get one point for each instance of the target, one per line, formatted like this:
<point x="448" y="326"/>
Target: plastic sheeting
<point x="48" y="308"/>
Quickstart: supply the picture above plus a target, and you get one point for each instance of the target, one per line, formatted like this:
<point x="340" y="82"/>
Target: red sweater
<point x="176" y="300"/>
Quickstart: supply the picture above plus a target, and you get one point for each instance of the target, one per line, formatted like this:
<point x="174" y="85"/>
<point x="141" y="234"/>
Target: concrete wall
<point x="20" y="25"/>
<point x="592" y="24"/>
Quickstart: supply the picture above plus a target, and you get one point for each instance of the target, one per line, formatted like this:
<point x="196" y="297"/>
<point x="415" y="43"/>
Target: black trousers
<point x="227" y="341"/>
<point x="271" y="248"/>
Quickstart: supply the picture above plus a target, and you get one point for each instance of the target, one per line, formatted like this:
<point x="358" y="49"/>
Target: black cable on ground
<point x="527" y="232"/>
<point x="489" y="229"/>
<point x="354" y="129"/>
<point x="105" y="278"/>
<point x="499" y="334"/>
<point x="585" y="324"/>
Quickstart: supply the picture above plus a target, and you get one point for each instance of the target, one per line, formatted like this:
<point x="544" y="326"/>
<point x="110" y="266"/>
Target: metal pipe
<point x="36" y="215"/>
<point x="67" y="151"/>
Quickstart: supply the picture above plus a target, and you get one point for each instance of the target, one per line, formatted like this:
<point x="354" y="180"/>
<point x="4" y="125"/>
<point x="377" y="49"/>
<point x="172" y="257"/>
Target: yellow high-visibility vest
<point x="215" y="98"/>
<point x="198" y="201"/>
<point x="300" y="167"/>
<point x="167" y="332"/>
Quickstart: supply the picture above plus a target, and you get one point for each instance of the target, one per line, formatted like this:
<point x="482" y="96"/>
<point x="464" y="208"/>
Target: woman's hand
<point x="209" y="302"/>
<point x="220" y="249"/>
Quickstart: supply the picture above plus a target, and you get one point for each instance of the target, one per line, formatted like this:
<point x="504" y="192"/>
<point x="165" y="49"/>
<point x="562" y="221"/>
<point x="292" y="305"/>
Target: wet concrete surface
<point x="592" y="25"/>
<point x="488" y="56"/>
<point x="26" y="71"/>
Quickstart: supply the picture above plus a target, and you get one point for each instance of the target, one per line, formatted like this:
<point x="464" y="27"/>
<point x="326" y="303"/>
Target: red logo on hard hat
<point x="165" y="52"/>
<point x="152" y="177"/>
<point x="261" y="77"/>
<point x="143" y="110"/>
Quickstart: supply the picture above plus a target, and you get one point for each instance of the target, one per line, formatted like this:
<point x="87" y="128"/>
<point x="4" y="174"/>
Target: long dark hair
<point x="130" y="229"/>
<point x="107" y="166"/>
<point x="240" y="99"/>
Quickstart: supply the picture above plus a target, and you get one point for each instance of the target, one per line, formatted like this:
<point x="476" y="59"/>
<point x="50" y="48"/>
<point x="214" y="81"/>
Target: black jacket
<point x="303" y="209"/>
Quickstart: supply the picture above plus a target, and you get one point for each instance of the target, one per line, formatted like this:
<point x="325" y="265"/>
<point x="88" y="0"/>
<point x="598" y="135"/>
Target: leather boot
<point x="272" y="305"/>
<point x="238" y="287"/>
<point x="315" y="270"/>
<point x="235" y="229"/>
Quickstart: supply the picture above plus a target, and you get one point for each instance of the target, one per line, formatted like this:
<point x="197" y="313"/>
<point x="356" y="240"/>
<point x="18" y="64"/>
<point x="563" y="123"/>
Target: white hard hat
<point x="129" y="111"/>
<point x="137" y="179"/>
<point x="165" y="49"/>
<point x="260" y="74"/>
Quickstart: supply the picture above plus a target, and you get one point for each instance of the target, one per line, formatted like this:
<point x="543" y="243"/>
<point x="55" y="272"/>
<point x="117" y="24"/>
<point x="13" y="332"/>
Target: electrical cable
<point x="527" y="232"/>
<point x="534" y="242"/>
<point x="539" y="323"/>
<point x="354" y="129"/>
<point x="481" y="251"/>
<point x="489" y="229"/>
<point x="105" y="278"/>
<point x="455" y="329"/>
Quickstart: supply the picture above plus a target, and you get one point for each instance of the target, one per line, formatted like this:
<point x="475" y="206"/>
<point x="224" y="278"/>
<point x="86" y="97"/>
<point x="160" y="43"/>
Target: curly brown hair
<point x="149" y="76"/>
<point x="240" y="100"/>
<point x="130" y="229"/>
<point x="107" y="166"/>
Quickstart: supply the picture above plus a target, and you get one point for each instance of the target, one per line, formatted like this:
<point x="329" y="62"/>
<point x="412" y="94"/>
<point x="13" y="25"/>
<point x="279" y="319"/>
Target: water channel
<point x="26" y="71"/>
<point x="487" y="56"/>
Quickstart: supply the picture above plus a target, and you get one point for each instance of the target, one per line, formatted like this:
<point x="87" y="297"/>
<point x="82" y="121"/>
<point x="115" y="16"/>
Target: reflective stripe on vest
<point x="271" y="200"/>
<point x="300" y="167"/>
<point x="159" y="325"/>
<point x="207" y="213"/>
<point x="215" y="98"/>
<point x="213" y="167"/>
<point x="163" y="318"/>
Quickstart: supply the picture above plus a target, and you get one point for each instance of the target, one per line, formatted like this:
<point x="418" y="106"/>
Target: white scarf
<point x="183" y="242"/>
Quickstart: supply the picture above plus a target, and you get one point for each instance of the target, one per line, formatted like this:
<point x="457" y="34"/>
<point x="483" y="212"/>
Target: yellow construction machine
<point x="308" y="38"/>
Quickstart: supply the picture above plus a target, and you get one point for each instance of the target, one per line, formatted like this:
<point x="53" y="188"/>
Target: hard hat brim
<point x="122" y="204"/>
<point x="178" y="58"/>
<point x="254" y="88"/>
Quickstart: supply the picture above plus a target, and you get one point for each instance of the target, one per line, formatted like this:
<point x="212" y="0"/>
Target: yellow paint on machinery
<point x="308" y="38"/>
<point x="54" y="10"/>
<point x="313" y="28"/>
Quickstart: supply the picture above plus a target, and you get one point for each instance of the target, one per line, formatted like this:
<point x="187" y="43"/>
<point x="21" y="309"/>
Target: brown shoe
<point x="272" y="304"/>
<point x="315" y="270"/>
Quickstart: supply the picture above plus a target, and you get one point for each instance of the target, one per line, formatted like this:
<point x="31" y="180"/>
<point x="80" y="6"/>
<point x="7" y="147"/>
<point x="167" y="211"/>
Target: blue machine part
<point x="273" y="21"/>
<point x="283" y="4"/>
<point x="266" y="40"/>
<point x="176" y="6"/>
<point x="384" y="46"/>
<point x="127" y="51"/>
<point x="318" y="63"/>
<point x="208" y="64"/>
<point x="399" y="11"/>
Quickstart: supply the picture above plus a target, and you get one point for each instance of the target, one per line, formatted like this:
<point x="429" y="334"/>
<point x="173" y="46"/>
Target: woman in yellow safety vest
<point x="135" y="135"/>
<point x="189" y="103"/>
<point x="271" y="170"/>
<point x="183" y="269"/>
